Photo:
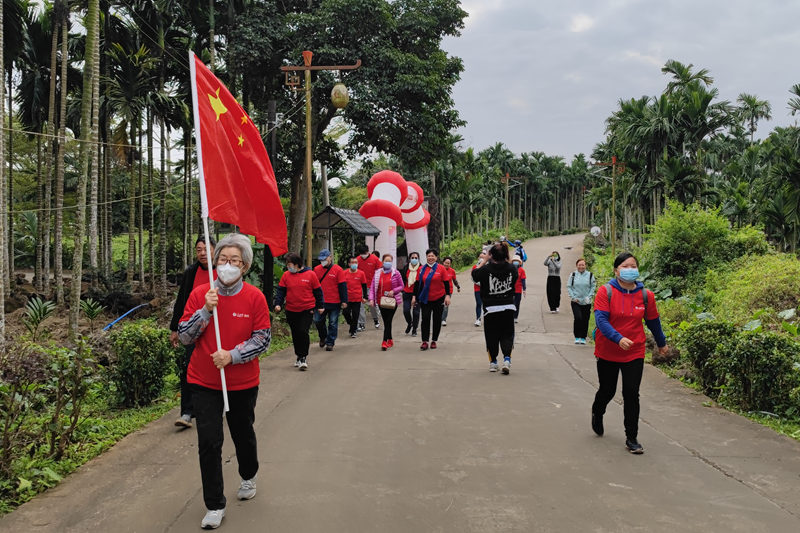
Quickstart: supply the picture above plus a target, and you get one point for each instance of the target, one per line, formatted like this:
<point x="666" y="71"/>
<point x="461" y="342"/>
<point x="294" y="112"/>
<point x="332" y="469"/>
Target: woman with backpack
<point x="619" y="309"/>
<point x="581" y="287"/>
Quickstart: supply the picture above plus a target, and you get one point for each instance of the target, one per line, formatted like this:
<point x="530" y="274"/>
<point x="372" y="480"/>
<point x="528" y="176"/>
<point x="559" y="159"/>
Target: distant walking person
<point x="193" y="277"/>
<point x="368" y="263"/>
<point x="452" y="279"/>
<point x="497" y="279"/>
<point x="244" y="331"/>
<point x="553" y="264"/>
<point x="520" y="287"/>
<point x="477" y="292"/>
<point x="433" y="293"/>
<point x="386" y="293"/>
<point x="410" y="312"/>
<point x="581" y="287"/>
<point x="334" y="292"/>
<point x="356" y="294"/>
<point x="619" y="308"/>
<point x="300" y="290"/>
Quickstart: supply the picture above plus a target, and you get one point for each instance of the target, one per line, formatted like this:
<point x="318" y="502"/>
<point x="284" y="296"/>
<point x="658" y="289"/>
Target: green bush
<point x="753" y="283"/>
<point x="761" y="372"/>
<point x="688" y="240"/>
<point x="465" y="250"/>
<point x="698" y="342"/>
<point x="143" y="356"/>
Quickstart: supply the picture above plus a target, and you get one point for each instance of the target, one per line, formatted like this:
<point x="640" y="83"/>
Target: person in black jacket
<point x="497" y="278"/>
<point x="194" y="276"/>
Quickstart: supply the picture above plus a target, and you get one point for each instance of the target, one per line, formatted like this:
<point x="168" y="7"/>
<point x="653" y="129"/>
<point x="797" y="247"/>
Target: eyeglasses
<point x="235" y="261"/>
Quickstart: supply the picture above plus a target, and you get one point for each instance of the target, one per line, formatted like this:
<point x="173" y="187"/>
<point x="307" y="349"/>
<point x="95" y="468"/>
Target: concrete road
<point x="410" y="441"/>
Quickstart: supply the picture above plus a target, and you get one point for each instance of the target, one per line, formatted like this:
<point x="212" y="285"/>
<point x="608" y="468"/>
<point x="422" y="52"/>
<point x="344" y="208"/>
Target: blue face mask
<point x="414" y="261"/>
<point x="387" y="265"/>
<point x="293" y="270"/>
<point x="628" y="274"/>
<point x="353" y="267"/>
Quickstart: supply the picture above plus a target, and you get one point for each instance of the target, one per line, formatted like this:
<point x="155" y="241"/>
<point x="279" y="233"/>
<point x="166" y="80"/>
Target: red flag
<point x="237" y="183"/>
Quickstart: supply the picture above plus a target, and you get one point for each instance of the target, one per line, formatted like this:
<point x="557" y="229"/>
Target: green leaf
<point x="706" y="316"/>
<point x="24" y="485"/>
<point x="789" y="328"/>
<point x="753" y="325"/>
<point x="788" y="314"/>
<point x="51" y="474"/>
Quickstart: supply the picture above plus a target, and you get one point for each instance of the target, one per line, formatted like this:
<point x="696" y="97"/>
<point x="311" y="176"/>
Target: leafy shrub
<point x="752" y="283"/>
<point x="761" y="372"/>
<point x="699" y="342"/>
<point x="143" y="356"/>
<point x="747" y="240"/>
<point x="36" y="312"/>
<point x="465" y="250"/>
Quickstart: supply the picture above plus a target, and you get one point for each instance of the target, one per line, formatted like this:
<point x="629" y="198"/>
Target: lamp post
<point x="293" y="80"/>
<point x="506" y="180"/>
<point x="614" y="164"/>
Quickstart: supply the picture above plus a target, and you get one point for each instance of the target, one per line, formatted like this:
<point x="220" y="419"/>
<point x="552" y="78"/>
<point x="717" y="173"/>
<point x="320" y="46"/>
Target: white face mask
<point x="364" y="256"/>
<point x="228" y="274"/>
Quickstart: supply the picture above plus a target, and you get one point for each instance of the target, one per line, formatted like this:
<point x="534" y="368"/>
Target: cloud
<point x="581" y="23"/>
<point x="644" y="58"/>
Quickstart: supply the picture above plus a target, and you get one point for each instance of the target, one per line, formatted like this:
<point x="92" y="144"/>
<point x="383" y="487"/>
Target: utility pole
<point x="293" y="81"/>
<point x="506" y="179"/>
<point x="614" y="164"/>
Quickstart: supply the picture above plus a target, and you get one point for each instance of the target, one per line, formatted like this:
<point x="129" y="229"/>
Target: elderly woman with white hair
<point x="244" y="330"/>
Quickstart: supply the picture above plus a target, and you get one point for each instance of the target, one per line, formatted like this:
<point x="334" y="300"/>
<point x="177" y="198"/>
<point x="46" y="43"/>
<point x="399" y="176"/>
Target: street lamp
<point x="614" y="164"/>
<point x="339" y="101"/>
<point x="505" y="180"/>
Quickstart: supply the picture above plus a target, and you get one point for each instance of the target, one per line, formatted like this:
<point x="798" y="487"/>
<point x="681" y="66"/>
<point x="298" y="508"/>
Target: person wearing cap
<point x="334" y="294"/>
<point x="520" y="286"/>
<point x="193" y="277"/>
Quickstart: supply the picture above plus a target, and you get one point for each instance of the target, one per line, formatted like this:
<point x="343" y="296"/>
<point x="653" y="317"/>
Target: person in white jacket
<point x="581" y="288"/>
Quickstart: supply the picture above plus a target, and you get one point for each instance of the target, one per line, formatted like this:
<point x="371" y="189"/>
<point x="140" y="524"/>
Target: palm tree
<point x="62" y="141"/>
<point x="751" y="110"/>
<point x="3" y="240"/>
<point x="682" y="75"/>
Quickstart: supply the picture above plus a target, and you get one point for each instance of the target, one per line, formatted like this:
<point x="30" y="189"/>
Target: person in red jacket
<point x="368" y="263"/>
<point x="620" y="344"/>
<point x="386" y="293"/>
<point x="356" y="294"/>
<point x="410" y="312"/>
<point x="299" y="287"/>
<point x="452" y="279"/>
<point x="334" y="294"/>
<point x="244" y="331"/>
<point x="433" y="293"/>
<point x="520" y="286"/>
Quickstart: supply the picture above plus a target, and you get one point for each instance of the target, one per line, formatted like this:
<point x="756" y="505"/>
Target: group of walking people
<point x="423" y="289"/>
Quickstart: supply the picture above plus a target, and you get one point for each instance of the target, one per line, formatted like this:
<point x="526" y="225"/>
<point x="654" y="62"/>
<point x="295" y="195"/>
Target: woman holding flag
<point x="432" y="290"/>
<point x="244" y="331"/>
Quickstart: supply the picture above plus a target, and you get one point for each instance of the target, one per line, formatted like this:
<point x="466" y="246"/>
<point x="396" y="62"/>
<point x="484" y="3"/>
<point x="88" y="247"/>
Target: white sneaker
<point x="297" y="363"/>
<point x="377" y="325"/>
<point x="303" y="366"/>
<point x="444" y="322"/>
<point x="478" y="323"/>
<point x="556" y="311"/>
<point x="583" y="341"/>
<point x="213" y="519"/>
<point x="577" y="340"/>
<point x="516" y="320"/>
<point x="247" y="489"/>
<point x="506" y="366"/>
<point x="493" y="367"/>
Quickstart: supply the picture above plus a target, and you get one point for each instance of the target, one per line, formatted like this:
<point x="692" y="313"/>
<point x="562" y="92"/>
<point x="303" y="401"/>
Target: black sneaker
<point x="634" y="447"/>
<point x="597" y="424"/>
<point x="322" y="343"/>
<point x="329" y="347"/>
<point x="408" y="329"/>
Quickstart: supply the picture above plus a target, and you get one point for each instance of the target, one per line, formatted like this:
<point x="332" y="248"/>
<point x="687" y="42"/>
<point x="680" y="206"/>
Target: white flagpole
<point x="204" y="213"/>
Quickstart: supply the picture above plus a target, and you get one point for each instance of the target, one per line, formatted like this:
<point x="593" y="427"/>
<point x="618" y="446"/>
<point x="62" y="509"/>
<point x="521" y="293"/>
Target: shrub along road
<point x="406" y="440"/>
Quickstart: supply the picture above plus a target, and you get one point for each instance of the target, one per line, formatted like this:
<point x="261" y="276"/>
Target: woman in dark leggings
<point x="553" y="264"/>
<point x="386" y="292"/>
<point x="410" y="312"/>
<point x="432" y="291"/>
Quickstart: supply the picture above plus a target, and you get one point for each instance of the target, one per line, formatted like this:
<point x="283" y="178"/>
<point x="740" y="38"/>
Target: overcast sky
<point x="543" y="75"/>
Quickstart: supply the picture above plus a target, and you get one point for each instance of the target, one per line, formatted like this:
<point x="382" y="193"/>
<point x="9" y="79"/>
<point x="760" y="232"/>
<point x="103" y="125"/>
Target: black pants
<point x="517" y="301"/>
<point x="498" y="330"/>
<point x="186" y="389"/>
<point x="580" y="324"/>
<point x="554" y="292"/>
<point x="208" y="406"/>
<point x="411" y="315"/>
<point x="350" y="314"/>
<point x="299" y="324"/>
<point x="607" y="372"/>
<point x="387" y="315"/>
<point x="478" y="305"/>
<point x="432" y="310"/>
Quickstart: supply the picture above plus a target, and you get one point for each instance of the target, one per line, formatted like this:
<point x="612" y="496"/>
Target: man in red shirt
<point x="356" y="294"/>
<point x="368" y="264"/>
<point x="334" y="293"/>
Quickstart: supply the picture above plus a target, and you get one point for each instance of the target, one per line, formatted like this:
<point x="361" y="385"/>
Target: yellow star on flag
<point x="217" y="105"/>
<point x="241" y="140"/>
<point x="244" y="119"/>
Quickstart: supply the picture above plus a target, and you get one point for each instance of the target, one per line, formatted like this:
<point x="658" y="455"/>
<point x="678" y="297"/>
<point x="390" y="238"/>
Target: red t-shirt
<point x="201" y="278"/>
<point x="330" y="285"/>
<point x="384" y="285"/>
<point x="300" y="290"/>
<point x="476" y="285"/>
<point x="354" y="281"/>
<point x="625" y="315"/>
<point x="520" y="277"/>
<point x="239" y="316"/>
<point x="438" y="280"/>
<point x="408" y="288"/>
<point x="369" y="265"/>
<point x="451" y="275"/>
